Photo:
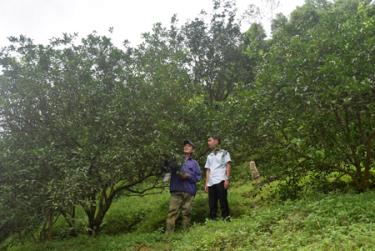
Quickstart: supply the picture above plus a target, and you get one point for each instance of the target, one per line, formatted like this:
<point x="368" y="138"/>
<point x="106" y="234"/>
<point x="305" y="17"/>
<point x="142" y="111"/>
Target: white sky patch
<point x="44" y="19"/>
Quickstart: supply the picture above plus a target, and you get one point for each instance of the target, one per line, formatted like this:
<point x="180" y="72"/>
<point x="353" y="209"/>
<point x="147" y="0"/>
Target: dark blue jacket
<point x="192" y="169"/>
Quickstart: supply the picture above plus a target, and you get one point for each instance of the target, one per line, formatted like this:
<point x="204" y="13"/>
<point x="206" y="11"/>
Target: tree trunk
<point x="97" y="212"/>
<point x="69" y="216"/>
<point x="46" y="231"/>
<point x="254" y="171"/>
<point x="367" y="165"/>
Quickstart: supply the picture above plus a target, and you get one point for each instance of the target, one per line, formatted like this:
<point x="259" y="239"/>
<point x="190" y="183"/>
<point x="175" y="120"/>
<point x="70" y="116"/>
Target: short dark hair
<point x="216" y="137"/>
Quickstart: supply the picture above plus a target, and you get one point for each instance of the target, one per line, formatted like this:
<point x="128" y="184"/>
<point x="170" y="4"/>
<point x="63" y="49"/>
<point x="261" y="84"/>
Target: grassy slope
<point x="320" y="222"/>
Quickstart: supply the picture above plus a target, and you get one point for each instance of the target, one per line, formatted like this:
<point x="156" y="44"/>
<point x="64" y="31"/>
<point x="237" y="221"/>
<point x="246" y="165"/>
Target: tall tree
<point x="77" y="132"/>
<point x="316" y="86"/>
<point x="215" y="56"/>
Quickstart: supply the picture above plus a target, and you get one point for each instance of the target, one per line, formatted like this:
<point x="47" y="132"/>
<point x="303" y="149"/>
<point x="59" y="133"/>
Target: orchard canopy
<point x="84" y="121"/>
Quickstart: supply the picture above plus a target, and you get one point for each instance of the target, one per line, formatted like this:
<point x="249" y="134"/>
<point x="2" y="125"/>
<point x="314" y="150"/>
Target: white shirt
<point x="217" y="164"/>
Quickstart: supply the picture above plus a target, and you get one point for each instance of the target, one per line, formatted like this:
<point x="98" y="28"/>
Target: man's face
<point x="212" y="143"/>
<point x="188" y="149"/>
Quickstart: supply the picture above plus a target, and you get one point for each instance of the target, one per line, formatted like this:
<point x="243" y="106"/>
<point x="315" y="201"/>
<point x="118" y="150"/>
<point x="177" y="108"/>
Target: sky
<point x="44" y="19"/>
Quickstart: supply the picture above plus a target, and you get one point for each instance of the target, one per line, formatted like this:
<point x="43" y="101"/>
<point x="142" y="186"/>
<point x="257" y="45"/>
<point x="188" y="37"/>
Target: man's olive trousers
<point x="180" y="202"/>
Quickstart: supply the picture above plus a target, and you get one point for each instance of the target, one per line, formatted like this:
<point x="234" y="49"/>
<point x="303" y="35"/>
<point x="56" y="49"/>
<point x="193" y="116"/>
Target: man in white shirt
<point x="217" y="178"/>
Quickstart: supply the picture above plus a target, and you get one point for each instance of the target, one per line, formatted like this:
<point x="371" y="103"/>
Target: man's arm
<point x="207" y="176"/>
<point x="192" y="175"/>
<point x="207" y="167"/>
<point x="228" y="169"/>
<point x="198" y="172"/>
<point x="226" y="182"/>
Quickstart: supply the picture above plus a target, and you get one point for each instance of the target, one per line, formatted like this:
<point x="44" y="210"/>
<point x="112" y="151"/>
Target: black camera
<point x="170" y="166"/>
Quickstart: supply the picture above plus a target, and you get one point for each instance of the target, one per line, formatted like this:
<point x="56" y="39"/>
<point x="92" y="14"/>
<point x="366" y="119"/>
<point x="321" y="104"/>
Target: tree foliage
<point x="83" y="122"/>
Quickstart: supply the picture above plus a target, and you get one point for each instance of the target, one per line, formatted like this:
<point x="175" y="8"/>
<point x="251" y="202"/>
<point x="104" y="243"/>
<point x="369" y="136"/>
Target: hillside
<point x="317" y="222"/>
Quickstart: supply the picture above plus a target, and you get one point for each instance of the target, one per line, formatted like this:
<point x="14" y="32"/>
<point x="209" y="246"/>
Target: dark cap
<point x="188" y="142"/>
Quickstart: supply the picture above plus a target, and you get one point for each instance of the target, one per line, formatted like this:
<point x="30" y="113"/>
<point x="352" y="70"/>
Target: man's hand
<point x="184" y="175"/>
<point x="226" y="184"/>
<point x="206" y="188"/>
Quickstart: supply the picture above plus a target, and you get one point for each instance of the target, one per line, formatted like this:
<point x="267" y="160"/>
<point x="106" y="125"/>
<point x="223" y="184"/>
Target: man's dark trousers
<point x="217" y="193"/>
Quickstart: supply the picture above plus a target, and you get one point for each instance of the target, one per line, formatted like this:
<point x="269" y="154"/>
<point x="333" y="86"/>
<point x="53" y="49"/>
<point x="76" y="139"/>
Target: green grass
<point x="317" y="222"/>
<point x="334" y="222"/>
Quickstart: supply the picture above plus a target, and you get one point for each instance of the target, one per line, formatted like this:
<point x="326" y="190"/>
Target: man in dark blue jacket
<point x="183" y="188"/>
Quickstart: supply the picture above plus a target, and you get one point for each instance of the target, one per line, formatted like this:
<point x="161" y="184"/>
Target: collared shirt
<point x="217" y="163"/>
<point x="192" y="169"/>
